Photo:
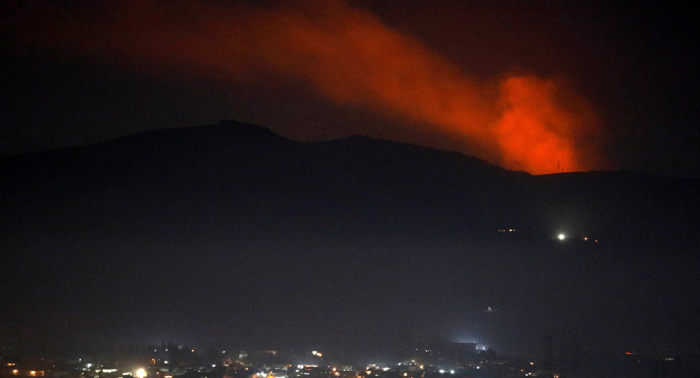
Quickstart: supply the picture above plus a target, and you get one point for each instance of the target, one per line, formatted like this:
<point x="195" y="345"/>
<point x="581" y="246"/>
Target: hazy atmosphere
<point x="348" y="189"/>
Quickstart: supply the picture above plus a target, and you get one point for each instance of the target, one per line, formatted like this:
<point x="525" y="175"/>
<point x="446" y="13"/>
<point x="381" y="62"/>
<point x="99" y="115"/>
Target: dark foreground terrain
<point x="232" y="235"/>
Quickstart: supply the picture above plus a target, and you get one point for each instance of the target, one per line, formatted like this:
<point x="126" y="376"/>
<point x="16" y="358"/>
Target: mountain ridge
<point x="222" y="223"/>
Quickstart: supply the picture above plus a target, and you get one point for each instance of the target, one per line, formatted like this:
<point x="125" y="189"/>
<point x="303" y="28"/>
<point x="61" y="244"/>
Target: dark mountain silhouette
<point x="234" y="235"/>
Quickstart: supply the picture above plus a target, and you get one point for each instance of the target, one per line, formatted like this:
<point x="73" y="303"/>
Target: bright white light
<point x="140" y="373"/>
<point x="442" y="371"/>
<point x="452" y="371"/>
<point x="561" y="236"/>
<point x="314" y="352"/>
<point x="88" y="366"/>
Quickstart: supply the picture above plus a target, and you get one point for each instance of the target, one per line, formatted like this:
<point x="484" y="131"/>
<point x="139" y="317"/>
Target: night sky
<point x="592" y="86"/>
<point x="305" y="237"/>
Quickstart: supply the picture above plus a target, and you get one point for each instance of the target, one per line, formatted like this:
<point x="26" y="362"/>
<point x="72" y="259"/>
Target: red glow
<point x="350" y="58"/>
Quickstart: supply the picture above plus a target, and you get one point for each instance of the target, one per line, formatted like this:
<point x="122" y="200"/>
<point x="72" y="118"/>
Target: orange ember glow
<point x="534" y="133"/>
<point x="349" y="57"/>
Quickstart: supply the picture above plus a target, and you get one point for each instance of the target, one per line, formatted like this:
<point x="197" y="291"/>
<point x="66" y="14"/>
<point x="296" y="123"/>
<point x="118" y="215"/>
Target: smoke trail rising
<point x="348" y="56"/>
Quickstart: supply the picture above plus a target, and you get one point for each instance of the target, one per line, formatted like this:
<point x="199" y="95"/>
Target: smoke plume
<point x="344" y="53"/>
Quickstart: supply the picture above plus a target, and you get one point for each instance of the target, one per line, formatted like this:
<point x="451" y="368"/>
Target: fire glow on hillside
<point x="345" y="54"/>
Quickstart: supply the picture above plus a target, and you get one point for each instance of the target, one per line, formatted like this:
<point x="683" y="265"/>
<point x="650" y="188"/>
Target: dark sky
<point x="531" y="86"/>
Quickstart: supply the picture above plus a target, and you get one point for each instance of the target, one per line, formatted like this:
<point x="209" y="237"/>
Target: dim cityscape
<point x="444" y="359"/>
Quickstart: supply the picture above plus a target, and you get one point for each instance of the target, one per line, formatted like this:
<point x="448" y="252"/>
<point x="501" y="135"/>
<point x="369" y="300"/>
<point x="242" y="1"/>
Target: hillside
<point x="254" y="230"/>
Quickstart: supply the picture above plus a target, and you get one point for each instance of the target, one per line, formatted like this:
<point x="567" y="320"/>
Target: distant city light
<point x="452" y="371"/>
<point x="561" y="236"/>
<point x="140" y="373"/>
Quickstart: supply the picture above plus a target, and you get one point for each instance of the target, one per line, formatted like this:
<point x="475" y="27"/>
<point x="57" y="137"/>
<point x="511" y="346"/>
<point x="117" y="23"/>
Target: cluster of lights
<point x="563" y="237"/>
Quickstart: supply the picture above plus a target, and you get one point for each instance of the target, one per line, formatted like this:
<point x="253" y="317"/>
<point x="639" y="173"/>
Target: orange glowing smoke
<point x="349" y="57"/>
